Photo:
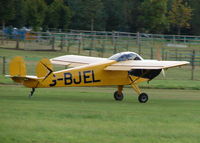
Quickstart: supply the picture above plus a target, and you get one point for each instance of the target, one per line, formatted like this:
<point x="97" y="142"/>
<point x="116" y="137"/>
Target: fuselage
<point x="94" y="74"/>
<point x="89" y="75"/>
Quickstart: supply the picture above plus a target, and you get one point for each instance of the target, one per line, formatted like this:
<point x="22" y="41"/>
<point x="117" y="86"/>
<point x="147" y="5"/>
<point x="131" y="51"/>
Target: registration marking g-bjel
<point x="86" y="77"/>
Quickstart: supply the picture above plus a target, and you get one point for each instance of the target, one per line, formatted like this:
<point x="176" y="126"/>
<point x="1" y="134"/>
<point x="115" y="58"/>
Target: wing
<point x="145" y="64"/>
<point x="74" y="60"/>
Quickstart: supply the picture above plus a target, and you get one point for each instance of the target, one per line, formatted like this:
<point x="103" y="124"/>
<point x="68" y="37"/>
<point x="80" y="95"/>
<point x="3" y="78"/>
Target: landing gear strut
<point x="118" y="95"/>
<point x="143" y="97"/>
<point x="31" y="93"/>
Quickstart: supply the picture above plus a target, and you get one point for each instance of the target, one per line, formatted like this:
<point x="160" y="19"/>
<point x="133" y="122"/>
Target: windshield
<point x="124" y="56"/>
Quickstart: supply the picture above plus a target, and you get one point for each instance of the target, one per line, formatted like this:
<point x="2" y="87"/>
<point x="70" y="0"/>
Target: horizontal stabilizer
<point x="25" y="77"/>
<point x="22" y="79"/>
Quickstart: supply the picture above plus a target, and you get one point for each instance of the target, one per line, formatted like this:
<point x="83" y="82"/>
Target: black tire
<point x="143" y="98"/>
<point x="118" y="97"/>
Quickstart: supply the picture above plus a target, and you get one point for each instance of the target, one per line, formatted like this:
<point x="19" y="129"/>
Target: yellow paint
<point x="88" y="75"/>
<point x="41" y="68"/>
<point x="31" y="83"/>
<point x="136" y="88"/>
<point x="17" y="67"/>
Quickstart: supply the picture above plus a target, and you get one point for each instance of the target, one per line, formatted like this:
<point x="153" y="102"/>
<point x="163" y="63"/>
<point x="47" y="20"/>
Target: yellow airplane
<point x="126" y="68"/>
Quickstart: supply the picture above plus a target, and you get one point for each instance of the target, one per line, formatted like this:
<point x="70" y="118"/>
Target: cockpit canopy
<point x="125" y="56"/>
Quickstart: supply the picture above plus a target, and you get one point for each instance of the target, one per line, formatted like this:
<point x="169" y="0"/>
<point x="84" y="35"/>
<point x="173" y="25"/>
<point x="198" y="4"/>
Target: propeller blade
<point x="163" y="73"/>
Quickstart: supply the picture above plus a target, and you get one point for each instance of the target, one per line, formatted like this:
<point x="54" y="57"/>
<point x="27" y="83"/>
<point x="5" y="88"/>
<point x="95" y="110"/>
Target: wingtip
<point x="187" y="62"/>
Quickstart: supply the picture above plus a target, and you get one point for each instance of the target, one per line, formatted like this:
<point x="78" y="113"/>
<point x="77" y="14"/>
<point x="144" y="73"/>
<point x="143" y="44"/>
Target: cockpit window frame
<point x="125" y="56"/>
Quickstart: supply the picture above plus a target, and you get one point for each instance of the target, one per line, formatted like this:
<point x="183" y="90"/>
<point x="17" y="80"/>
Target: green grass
<point x="83" y="115"/>
<point x="172" y="84"/>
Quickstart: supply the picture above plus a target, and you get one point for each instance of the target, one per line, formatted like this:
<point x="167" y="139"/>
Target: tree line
<point x="149" y="16"/>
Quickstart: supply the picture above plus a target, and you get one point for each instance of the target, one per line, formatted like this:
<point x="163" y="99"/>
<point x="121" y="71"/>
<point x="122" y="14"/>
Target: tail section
<point x="17" y="67"/>
<point x="44" y="70"/>
<point x="44" y="73"/>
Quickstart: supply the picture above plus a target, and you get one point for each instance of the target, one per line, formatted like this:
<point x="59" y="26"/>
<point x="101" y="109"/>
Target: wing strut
<point x="143" y="97"/>
<point x="134" y="85"/>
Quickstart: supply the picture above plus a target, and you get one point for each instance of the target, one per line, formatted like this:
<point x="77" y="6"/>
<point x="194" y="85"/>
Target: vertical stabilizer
<point x="44" y="70"/>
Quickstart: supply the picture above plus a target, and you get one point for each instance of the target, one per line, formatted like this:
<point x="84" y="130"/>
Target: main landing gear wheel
<point x="143" y="98"/>
<point x="117" y="96"/>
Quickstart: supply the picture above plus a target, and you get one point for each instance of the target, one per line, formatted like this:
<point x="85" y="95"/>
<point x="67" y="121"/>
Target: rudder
<point x="44" y="69"/>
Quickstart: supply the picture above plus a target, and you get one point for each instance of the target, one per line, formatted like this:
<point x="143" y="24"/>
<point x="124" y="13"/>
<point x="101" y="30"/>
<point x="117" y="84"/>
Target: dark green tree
<point x="195" y="21"/>
<point x="127" y="14"/>
<point x="134" y="22"/>
<point x="58" y="15"/>
<point x="153" y="17"/>
<point x="7" y="11"/>
<point x="114" y="15"/>
<point x="36" y="10"/>
<point x="180" y="15"/>
<point x="87" y="14"/>
<point x="48" y="2"/>
<point x="20" y="18"/>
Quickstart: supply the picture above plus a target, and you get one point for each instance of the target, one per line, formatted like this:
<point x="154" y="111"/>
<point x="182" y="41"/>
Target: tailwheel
<point x="143" y="98"/>
<point x="31" y="93"/>
<point x="118" y="96"/>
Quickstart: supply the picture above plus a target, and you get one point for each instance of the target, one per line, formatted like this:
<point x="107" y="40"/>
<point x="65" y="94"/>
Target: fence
<point x="104" y="44"/>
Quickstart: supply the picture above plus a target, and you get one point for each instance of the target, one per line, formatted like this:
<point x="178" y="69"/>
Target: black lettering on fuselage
<point x="60" y="79"/>
<point x="83" y="77"/>
<point x="53" y="82"/>
<point x="79" y="81"/>
<point x="68" y="78"/>
<point x="86" y="76"/>
<point x="93" y="77"/>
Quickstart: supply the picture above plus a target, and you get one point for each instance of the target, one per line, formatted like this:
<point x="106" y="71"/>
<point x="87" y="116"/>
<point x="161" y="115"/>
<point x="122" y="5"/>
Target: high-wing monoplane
<point x="126" y="68"/>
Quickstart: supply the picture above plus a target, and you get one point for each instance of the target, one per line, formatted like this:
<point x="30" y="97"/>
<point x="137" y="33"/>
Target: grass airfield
<point x="83" y="115"/>
<point x="90" y="115"/>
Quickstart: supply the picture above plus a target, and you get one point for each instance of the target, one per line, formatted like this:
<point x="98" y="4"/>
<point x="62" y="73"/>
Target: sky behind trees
<point x="149" y="16"/>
